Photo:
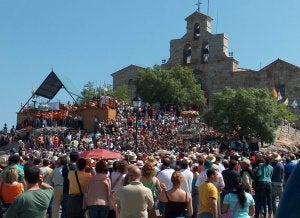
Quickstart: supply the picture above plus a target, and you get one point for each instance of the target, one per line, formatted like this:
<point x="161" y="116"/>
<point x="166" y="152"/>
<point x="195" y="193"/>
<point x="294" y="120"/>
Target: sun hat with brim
<point x="275" y="156"/>
<point x="246" y="161"/>
<point x="211" y="158"/>
<point x="109" y="164"/>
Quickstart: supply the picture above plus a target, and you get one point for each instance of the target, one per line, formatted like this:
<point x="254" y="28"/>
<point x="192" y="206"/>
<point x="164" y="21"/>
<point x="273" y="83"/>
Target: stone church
<point x="215" y="68"/>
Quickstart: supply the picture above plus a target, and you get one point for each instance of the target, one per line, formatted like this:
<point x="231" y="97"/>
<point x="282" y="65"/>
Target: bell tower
<point x="199" y="47"/>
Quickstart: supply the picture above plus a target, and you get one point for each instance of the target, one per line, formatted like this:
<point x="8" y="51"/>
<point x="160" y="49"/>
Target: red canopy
<point x="101" y="154"/>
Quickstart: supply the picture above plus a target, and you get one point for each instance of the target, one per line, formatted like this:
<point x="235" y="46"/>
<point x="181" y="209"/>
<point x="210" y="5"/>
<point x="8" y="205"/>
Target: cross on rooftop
<point x="198" y="4"/>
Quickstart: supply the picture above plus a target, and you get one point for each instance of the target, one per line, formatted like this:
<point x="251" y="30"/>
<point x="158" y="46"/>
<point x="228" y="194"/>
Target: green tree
<point x="105" y="89"/>
<point x="88" y="92"/>
<point x="286" y="114"/>
<point x="247" y="110"/>
<point x="175" y="86"/>
<point x="122" y="93"/>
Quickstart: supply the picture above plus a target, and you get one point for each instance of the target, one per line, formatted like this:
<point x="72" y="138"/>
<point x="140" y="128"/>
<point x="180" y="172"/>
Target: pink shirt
<point x="98" y="190"/>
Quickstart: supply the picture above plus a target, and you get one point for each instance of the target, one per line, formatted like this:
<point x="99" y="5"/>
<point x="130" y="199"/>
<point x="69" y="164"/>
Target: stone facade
<point x="126" y="76"/>
<point x="215" y="68"/>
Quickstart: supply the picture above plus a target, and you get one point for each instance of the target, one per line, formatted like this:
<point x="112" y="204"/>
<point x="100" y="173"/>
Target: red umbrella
<point x="101" y="154"/>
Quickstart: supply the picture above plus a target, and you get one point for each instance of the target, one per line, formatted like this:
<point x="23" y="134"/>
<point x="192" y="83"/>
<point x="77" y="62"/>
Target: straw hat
<point x="109" y="164"/>
<point x="211" y="158"/>
<point x="246" y="161"/>
<point x="275" y="156"/>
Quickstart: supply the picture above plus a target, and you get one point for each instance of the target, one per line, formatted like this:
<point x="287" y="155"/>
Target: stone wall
<point x="126" y="76"/>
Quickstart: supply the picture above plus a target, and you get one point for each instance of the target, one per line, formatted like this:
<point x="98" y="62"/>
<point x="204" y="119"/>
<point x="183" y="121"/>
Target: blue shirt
<point x="265" y="172"/>
<point x="278" y="172"/>
<point x="241" y="212"/>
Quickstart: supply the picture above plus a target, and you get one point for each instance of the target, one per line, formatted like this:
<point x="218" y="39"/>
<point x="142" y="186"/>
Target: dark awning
<point x="53" y="83"/>
<point x="51" y="86"/>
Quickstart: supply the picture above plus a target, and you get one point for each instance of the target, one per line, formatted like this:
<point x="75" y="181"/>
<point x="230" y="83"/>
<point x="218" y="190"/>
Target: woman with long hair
<point x="178" y="203"/>
<point x="150" y="181"/>
<point x="238" y="202"/>
<point x="98" y="192"/>
<point x="10" y="187"/>
<point x="246" y="175"/>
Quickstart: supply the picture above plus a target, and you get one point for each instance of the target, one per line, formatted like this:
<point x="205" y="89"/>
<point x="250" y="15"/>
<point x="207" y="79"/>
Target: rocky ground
<point x="287" y="140"/>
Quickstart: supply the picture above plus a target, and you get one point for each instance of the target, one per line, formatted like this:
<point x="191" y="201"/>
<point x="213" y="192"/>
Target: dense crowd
<point x="188" y="170"/>
<point x="205" y="184"/>
<point x="60" y="114"/>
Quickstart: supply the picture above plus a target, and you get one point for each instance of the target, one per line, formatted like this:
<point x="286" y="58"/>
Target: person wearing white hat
<point x="246" y="175"/>
<point x="139" y="164"/>
<point x="208" y="164"/>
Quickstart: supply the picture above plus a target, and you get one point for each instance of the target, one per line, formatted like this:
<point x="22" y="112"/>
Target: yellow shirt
<point x="83" y="178"/>
<point x="207" y="190"/>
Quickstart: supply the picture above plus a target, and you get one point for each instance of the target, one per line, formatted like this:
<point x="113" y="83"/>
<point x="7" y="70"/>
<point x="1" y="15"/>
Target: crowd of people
<point x="198" y="185"/>
<point x="164" y="171"/>
<point x="60" y="114"/>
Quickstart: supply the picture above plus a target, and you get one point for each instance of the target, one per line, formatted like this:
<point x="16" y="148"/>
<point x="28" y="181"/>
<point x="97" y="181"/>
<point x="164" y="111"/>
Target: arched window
<point x="187" y="54"/>
<point x="196" y="31"/>
<point x="205" y="53"/>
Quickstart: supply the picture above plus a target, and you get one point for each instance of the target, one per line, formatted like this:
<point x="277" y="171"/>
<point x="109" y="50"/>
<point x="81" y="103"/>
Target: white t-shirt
<point x="187" y="180"/>
<point x="164" y="177"/>
<point x="203" y="177"/>
<point x="221" y="167"/>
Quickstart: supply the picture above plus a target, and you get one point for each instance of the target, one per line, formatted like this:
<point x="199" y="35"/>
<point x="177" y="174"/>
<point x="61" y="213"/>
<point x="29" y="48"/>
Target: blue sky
<point x="88" y="40"/>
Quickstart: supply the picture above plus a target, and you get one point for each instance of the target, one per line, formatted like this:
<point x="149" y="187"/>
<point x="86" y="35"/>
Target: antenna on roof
<point x="52" y="69"/>
<point x="198" y="4"/>
<point x="207" y="7"/>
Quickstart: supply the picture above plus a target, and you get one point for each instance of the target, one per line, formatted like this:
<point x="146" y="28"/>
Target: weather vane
<point x="198" y="4"/>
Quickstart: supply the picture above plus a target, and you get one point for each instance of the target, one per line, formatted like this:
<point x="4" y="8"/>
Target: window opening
<point x="187" y="54"/>
<point x="196" y="31"/>
<point x="206" y="53"/>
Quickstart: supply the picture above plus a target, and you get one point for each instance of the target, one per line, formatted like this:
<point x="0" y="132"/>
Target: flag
<point x="286" y="102"/>
<point x="275" y="94"/>
<point x="279" y="97"/>
<point x="294" y="104"/>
